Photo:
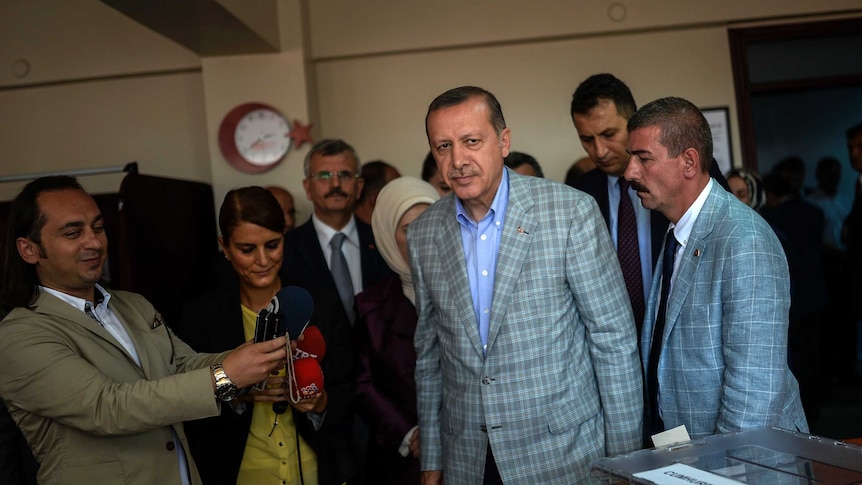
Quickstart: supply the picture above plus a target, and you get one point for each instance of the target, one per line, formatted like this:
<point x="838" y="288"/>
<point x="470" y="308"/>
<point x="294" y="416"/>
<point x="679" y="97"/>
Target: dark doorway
<point x="798" y="89"/>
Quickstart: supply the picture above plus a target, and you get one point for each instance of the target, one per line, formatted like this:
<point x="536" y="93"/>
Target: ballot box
<point x="755" y="456"/>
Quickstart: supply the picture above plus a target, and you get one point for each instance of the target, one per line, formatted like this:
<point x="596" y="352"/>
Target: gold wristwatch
<point x="226" y="390"/>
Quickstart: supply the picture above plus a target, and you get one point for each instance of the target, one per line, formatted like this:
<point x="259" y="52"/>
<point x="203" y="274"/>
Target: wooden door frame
<point x="741" y="39"/>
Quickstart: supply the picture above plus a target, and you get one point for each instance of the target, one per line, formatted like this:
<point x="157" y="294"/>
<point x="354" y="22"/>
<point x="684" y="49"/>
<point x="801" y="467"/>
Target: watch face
<point x="261" y="137"/>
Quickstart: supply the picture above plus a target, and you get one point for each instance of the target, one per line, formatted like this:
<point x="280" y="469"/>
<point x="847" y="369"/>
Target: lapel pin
<point x="521" y="230"/>
<point x="696" y="252"/>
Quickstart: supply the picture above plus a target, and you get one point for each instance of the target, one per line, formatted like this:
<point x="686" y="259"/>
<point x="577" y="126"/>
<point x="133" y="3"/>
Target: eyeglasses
<point x="327" y="175"/>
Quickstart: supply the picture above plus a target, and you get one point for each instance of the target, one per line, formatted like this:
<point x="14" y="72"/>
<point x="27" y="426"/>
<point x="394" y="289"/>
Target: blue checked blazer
<point x="561" y="382"/>
<point x="723" y="364"/>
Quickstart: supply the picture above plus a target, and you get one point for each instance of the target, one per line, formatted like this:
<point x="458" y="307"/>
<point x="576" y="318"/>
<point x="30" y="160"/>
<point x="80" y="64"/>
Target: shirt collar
<point x="682" y="228"/>
<point x="498" y="206"/>
<point x="101" y="296"/>
<point x="325" y="233"/>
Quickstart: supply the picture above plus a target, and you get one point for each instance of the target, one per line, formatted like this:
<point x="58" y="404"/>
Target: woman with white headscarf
<point x="386" y="390"/>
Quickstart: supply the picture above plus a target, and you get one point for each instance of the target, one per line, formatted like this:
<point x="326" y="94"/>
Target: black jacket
<point x="213" y="323"/>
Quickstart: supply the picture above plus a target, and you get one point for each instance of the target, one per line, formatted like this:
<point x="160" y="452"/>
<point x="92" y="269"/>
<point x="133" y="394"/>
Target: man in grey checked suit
<point x="526" y="351"/>
<point x="720" y="362"/>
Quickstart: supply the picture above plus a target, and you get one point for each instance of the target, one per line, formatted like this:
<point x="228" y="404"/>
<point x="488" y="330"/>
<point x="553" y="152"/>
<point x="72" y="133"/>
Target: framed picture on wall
<point x="719" y="123"/>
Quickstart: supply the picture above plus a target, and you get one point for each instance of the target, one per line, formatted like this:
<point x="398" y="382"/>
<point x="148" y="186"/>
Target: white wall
<point x="378" y="104"/>
<point x="103" y="90"/>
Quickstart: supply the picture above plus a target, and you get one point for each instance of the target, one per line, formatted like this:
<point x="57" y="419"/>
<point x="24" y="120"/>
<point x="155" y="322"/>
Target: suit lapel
<point x="695" y="250"/>
<point x="137" y="334"/>
<point x="514" y="248"/>
<point x="451" y="251"/>
<point x="315" y="261"/>
<point x="50" y="305"/>
<point x="370" y="260"/>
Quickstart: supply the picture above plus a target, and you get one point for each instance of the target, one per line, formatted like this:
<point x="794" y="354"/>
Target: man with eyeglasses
<point x="332" y="183"/>
<point x="334" y="249"/>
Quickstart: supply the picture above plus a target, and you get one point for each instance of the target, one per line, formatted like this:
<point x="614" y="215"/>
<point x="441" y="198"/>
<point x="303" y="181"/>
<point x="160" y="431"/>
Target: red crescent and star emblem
<point x="300" y="134"/>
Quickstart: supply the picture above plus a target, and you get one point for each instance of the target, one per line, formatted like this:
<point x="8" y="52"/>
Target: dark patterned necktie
<point x="670" y="247"/>
<point x="628" y="251"/>
<point x="341" y="274"/>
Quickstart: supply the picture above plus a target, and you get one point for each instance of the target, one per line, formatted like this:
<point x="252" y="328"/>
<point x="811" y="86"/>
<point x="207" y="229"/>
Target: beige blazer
<point x="89" y="412"/>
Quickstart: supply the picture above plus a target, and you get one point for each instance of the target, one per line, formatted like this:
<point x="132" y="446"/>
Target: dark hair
<point x="374" y="173"/>
<point x="603" y="86"/>
<point x="429" y="167"/>
<point x="854" y="130"/>
<point x="681" y="126"/>
<point x="791" y="170"/>
<point x="456" y="96"/>
<point x="516" y="159"/>
<point x="250" y="204"/>
<point x="327" y="148"/>
<point x="828" y="175"/>
<point x="19" y="279"/>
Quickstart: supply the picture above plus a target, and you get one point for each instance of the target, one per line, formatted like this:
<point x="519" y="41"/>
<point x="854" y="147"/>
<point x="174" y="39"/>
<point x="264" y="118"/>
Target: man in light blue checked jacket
<point x="717" y="362"/>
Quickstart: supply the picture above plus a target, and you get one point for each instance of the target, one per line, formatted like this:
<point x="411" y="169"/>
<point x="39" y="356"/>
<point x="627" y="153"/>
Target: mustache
<point x="466" y="171"/>
<point x="335" y="191"/>
<point x="638" y="187"/>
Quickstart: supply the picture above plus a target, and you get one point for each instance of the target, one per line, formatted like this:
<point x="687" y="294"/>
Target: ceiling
<point x="209" y="27"/>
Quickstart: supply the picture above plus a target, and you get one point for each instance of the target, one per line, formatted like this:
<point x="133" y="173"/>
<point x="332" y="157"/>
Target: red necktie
<point x="628" y="251"/>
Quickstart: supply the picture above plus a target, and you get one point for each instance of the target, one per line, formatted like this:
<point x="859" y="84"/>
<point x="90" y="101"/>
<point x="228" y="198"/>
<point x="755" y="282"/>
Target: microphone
<point x="303" y="370"/>
<point x="295" y="306"/>
<point x="307" y="379"/>
<point x="288" y="313"/>
<point x="312" y="344"/>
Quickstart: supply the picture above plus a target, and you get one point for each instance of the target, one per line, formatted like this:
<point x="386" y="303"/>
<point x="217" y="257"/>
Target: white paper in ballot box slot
<point x="755" y="456"/>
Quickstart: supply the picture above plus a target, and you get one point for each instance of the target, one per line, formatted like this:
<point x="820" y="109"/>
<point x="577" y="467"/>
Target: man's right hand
<point x="432" y="477"/>
<point x="251" y="362"/>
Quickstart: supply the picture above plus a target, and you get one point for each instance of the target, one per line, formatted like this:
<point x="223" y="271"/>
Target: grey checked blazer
<point x="561" y="383"/>
<point x="723" y="364"/>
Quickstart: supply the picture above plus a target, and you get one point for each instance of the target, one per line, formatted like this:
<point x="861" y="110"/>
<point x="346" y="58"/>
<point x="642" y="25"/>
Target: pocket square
<point x="158" y="320"/>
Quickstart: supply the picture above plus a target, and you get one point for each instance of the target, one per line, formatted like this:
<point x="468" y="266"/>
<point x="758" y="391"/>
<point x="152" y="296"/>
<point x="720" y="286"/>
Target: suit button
<point x="170" y="446"/>
<point x="483" y="428"/>
<point x="486" y="380"/>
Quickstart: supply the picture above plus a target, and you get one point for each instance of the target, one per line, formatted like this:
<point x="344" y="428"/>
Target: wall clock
<point x="254" y="137"/>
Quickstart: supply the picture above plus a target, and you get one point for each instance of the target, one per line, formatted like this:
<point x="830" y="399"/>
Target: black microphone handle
<point x="280" y="407"/>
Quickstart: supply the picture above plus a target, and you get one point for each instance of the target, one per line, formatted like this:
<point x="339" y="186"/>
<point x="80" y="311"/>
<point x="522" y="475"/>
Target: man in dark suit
<point x="601" y="107"/>
<point x="312" y="258"/>
<point x="853" y="222"/>
<point x="332" y="183"/>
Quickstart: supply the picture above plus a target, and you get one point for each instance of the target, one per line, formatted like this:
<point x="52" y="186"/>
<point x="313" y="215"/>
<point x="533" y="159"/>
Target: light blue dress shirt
<point x="481" y="242"/>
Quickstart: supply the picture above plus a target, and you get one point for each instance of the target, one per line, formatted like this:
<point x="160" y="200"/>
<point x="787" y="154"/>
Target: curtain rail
<point x="131" y="167"/>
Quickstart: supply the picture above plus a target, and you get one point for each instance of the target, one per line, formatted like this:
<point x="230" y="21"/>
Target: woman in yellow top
<point x="251" y="442"/>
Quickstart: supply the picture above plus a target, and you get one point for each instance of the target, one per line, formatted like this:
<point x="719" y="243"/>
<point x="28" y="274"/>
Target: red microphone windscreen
<point x="311" y="345"/>
<point x="307" y="380"/>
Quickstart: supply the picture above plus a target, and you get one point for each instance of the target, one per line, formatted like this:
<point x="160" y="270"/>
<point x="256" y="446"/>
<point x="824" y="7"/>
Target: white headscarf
<point x="396" y="198"/>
